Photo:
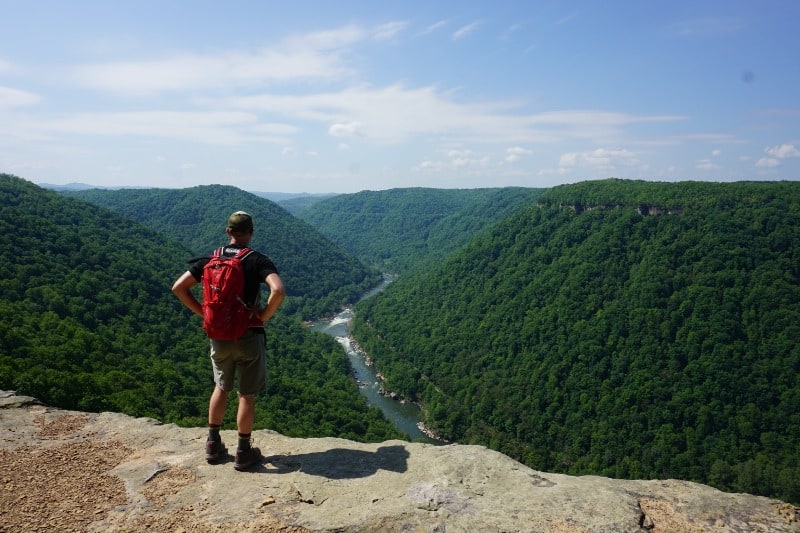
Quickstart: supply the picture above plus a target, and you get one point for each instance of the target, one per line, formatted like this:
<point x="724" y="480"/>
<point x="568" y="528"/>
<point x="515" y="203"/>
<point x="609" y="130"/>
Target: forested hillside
<point x="399" y="229"/>
<point x="89" y="322"/>
<point x="629" y="329"/>
<point x="296" y="204"/>
<point x="319" y="276"/>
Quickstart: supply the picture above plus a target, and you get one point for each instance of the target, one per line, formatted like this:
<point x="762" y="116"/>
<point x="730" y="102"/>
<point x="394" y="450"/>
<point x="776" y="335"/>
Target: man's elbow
<point x="276" y="288"/>
<point x="178" y="289"/>
<point x="278" y="293"/>
<point x="182" y="284"/>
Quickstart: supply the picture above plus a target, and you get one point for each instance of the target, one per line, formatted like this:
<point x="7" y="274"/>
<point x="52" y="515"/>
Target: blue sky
<point x="352" y="95"/>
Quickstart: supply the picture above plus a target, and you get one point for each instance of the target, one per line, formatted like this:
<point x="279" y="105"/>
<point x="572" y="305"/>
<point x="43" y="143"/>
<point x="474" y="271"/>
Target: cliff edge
<point x="72" y="471"/>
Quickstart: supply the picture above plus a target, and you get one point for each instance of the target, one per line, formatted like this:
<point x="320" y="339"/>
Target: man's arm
<point x="181" y="289"/>
<point x="276" y="294"/>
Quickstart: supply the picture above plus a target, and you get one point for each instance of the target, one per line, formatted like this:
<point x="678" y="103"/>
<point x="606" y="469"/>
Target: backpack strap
<point x="241" y="254"/>
<point x="244" y="252"/>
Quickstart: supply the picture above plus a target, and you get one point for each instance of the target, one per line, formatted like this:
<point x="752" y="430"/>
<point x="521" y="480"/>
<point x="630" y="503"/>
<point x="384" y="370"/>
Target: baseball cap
<point x="240" y="223"/>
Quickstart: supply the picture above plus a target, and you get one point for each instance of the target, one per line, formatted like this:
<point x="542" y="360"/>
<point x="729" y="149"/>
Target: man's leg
<point x="246" y="455"/>
<point x="252" y="379"/>
<point x="246" y="413"/>
<point x="216" y="406"/>
<point x="215" y="450"/>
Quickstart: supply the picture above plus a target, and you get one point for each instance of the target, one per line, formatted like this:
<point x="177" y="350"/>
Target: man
<point x="244" y="356"/>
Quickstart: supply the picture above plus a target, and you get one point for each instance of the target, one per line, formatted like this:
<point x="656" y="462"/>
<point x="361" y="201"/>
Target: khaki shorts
<point x="245" y="358"/>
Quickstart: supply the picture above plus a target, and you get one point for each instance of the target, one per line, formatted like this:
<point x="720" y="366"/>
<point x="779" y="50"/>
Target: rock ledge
<point x="77" y="471"/>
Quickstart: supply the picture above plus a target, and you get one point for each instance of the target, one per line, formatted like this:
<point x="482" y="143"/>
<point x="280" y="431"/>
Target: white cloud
<point x="10" y="98"/>
<point x="482" y="162"/>
<point x="326" y="39"/>
<point x="776" y="154"/>
<point x="221" y="127"/>
<point x="603" y="157"/>
<point x="516" y="153"/>
<point x="384" y="115"/>
<point x="464" y="31"/>
<point x="396" y="113"/>
<point x="768" y="162"/>
<point x="459" y="158"/>
<point x="456" y="159"/>
<point x="435" y="26"/>
<point x="389" y="30"/>
<point x="348" y="129"/>
<point x="276" y="130"/>
<point x="466" y="158"/>
<point x="181" y="73"/>
<point x="600" y="159"/>
<point x="716" y="153"/>
<point x="783" y="151"/>
<point x="568" y="160"/>
<point x="706" y="164"/>
<point x="428" y="165"/>
<point x="315" y="57"/>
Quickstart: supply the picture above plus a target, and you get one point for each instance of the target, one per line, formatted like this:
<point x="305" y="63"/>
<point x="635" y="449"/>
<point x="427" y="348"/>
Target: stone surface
<point x="71" y="471"/>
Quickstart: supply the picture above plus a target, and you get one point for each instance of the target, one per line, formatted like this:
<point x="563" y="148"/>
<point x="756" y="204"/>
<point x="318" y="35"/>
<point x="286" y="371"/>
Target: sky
<point x="344" y="96"/>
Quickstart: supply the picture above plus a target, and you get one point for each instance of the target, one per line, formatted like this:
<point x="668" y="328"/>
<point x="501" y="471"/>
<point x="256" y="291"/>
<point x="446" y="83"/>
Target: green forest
<point x="403" y="229"/>
<point x="627" y="329"/>
<point x="89" y="323"/>
<point x="320" y="277"/>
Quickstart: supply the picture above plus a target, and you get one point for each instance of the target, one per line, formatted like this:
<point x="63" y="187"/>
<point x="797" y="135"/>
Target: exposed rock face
<point x="70" y="471"/>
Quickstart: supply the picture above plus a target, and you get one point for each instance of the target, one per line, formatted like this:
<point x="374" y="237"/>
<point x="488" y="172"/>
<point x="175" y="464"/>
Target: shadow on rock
<point x="339" y="463"/>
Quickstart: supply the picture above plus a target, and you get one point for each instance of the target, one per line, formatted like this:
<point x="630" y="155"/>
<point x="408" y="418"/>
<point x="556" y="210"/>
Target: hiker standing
<point x="235" y="327"/>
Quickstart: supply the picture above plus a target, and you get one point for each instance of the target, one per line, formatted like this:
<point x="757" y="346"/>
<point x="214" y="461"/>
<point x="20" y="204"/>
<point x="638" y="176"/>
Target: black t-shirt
<point x="257" y="267"/>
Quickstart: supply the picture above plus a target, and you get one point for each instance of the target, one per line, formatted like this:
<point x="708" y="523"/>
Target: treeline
<point x="319" y="276"/>
<point x="663" y="198"/>
<point x="89" y="323"/>
<point x="400" y="229"/>
<point x="608" y="341"/>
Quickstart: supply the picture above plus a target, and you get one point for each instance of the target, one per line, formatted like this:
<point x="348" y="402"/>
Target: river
<point x="404" y="415"/>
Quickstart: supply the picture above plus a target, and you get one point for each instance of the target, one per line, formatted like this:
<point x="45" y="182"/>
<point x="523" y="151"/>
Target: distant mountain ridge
<point x="77" y="186"/>
<point x="401" y="229"/>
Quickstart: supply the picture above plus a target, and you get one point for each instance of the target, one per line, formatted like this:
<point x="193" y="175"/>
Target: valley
<point x="616" y="327"/>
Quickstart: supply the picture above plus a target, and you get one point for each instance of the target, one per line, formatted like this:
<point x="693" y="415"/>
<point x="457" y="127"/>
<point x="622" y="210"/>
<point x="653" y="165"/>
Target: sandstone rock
<point x="66" y="470"/>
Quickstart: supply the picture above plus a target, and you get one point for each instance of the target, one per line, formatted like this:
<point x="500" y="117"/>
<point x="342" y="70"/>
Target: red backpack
<point x="225" y="314"/>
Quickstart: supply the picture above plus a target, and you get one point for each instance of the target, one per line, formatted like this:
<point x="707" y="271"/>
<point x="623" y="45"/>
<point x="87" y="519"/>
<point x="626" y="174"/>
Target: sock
<point x="244" y="441"/>
<point x="213" y="432"/>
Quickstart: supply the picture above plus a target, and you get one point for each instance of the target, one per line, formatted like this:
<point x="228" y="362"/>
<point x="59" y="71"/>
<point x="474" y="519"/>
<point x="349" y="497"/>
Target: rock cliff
<point x="71" y="471"/>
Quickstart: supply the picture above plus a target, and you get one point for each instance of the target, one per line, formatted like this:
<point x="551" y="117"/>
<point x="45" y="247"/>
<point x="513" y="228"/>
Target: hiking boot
<point x="215" y="450"/>
<point x="246" y="458"/>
